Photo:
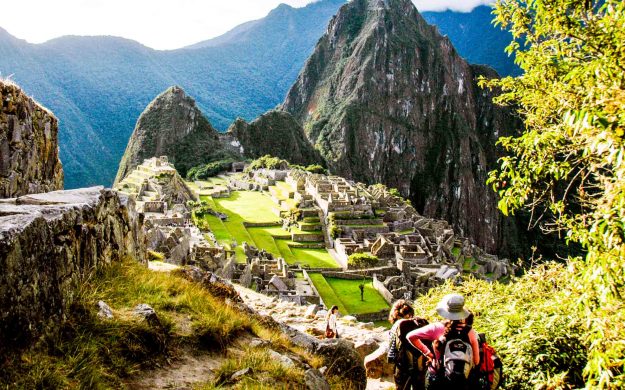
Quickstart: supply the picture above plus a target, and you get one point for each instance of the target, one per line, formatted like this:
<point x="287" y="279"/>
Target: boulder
<point x="311" y="311"/>
<point x="321" y="314"/>
<point x="366" y="347"/>
<point x="241" y="373"/>
<point x="376" y="364"/>
<point x="104" y="310"/>
<point x="344" y="361"/>
<point x="284" y="360"/>
<point x="315" y="380"/>
<point x="147" y="312"/>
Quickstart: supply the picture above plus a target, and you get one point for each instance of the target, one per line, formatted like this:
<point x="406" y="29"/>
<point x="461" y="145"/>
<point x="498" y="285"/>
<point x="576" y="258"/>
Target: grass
<point x="456" y="251"/>
<point x="90" y="352"/>
<point x="269" y="238"/>
<point x="250" y="206"/>
<point x="315" y="258"/>
<point x="93" y="353"/>
<point x="346" y="295"/>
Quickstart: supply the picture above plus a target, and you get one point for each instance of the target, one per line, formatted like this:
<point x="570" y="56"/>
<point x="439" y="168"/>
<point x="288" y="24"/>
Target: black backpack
<point x="400" y="351"/>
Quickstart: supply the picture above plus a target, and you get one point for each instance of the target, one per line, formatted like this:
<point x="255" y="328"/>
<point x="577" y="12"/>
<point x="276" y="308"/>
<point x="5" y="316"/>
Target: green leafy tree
<point x="568" y="166"/>
<point x="362" y="260"/>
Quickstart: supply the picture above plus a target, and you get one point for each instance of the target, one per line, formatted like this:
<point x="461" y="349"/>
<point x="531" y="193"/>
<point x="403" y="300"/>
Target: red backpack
<point x="491" y="367"/>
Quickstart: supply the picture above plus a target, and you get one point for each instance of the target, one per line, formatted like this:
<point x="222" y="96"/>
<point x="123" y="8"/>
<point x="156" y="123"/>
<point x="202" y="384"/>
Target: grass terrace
<point x="346" y="294"/>
<point x="256" y="207"/>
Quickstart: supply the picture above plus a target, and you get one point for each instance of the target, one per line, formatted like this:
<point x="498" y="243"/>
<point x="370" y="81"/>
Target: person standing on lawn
<point x="331" y="328"/>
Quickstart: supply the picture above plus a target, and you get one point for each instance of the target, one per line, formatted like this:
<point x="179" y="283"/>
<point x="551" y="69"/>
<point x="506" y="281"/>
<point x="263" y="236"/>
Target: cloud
<point x="454" y="5"/>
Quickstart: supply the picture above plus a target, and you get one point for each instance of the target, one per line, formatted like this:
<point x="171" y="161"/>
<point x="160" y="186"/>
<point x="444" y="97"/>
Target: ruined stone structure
<point x="49" y="242"/>
<point x="29" y="153"/>
<point x="162" y="196"/>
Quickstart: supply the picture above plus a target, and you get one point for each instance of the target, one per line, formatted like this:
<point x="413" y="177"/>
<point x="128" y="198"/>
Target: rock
<point x="315" y="380"/>
<point x="105" y="310"/>
<point x="59" y="237"/>
<point x="311" y="311"/>
<point x="321" y="314"/>
<point x="349" y="319"/>
<point x="284" y="360"/>
<point x="323" y="370"/>
<point x="147" y="312"/>
<point x="29" y="151"/>
<point x="255" y="343"/>
<point x="365" y="347"/>
<point x="343" y="360"/>
<point x="368" y="325"/>
<point x="377" y="365"/>
<point x="241" y="373"/>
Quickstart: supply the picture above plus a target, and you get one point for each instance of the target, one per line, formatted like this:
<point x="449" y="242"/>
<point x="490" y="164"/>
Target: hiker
<point x="331" y="329"/>
<point x="455" y="346"/>
<point x="409" y="371"/>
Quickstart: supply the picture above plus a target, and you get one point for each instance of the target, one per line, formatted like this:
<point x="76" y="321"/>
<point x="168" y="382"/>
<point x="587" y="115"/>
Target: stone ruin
<point x="162" y="196"/>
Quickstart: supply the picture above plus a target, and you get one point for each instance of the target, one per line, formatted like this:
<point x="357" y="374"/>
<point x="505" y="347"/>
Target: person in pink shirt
<point x="451" y="307"/>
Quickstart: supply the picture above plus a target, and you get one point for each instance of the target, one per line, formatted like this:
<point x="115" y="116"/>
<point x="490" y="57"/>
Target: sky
<point x="159" y="24"/>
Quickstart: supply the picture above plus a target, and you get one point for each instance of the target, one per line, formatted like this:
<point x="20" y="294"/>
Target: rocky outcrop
<point x="385" y="98"/>
<point x="172" y="126"/>
<point x="48" y="243"/>
<point x="276" y="133"/>
<point x="29" y="152"/>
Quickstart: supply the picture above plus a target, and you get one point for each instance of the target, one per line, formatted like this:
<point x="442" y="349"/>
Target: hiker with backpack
<point x="489" y="374"/>
<point x="409" y="371"/>
<point x="455" y="347"/>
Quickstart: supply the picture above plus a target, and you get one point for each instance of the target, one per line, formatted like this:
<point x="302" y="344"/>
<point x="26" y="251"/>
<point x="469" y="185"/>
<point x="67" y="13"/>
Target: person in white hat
<point x="451" y="307"/>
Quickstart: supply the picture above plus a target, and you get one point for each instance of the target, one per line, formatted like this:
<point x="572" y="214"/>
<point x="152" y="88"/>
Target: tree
<point x="568" y="166"/>
<point x="362" y="260"/>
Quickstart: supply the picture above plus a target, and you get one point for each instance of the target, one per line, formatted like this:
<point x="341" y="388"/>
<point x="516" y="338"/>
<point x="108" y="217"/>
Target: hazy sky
<point x="160" y="24"/>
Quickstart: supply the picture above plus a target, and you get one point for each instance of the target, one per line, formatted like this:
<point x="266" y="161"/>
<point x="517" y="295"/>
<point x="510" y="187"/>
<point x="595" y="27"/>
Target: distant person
<point x="409" y="371"/>
<point x="455" y="346"/>
<point x="331" y="328"/>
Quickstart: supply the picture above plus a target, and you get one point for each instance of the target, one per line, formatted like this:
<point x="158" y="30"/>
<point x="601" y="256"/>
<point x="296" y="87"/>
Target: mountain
<point x="276" y="133"/>
<point x="385" y="98"/>
<point x="98" y="86"/>
<point x="172" y="126"/>
<point x="475" y="38"/>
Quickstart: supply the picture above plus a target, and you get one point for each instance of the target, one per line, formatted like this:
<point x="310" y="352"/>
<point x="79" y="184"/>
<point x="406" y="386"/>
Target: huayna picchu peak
<point x="385" y="98"/>
<point x="171" y="125"/>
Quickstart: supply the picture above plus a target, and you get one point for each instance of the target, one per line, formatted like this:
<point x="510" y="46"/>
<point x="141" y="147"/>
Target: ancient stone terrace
<point x="161" y="196"/>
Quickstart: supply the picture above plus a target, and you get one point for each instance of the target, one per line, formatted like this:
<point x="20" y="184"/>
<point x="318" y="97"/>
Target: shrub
<point x="316" y="168"/>
<point x="202" y="172"/>
<point x="268" y="162"/>
<point x="533" y="323"/>
<point x="362" y="260"/>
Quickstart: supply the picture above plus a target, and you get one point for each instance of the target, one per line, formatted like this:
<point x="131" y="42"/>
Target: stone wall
<point x="29" y="152"/>
<point x="48" y="243"/>
<point x="378" y="285"/>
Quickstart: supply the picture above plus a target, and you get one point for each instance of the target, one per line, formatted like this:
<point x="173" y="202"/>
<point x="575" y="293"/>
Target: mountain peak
<point x="385" y="98"/>
<point x="173" y="126"/>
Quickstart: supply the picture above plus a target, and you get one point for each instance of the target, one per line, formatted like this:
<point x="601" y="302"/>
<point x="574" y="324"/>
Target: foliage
<point x="533" y="323"/>
<point x="568" y="167"/>
<point x="268" y="162"/>
<point x="362" y="260"/>
<point x="203" y="172"/>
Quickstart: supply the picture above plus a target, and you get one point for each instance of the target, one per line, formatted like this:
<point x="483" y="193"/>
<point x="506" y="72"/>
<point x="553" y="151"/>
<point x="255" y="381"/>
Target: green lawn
<point x="327" y="293"/>
<point x="346" y="295"/>
<point x="315" y="258"/>
<point x="251" y="206"/>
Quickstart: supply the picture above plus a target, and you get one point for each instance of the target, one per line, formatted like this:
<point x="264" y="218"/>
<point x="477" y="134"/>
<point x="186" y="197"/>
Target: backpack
<point x="457" y="357"/>
<point x="398" y="351"/>
<point x="490" y="370"/>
